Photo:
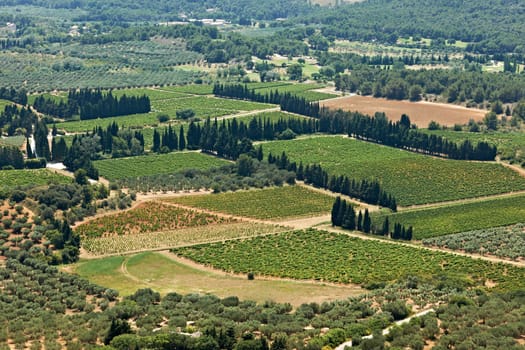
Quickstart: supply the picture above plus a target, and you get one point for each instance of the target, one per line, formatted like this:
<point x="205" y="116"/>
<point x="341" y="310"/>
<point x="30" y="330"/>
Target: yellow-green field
<point x="162" y="273"/>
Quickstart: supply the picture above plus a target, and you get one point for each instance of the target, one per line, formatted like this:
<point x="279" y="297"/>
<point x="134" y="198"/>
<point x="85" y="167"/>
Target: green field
<point x="332" y="257"/>
<point x="269" y="203"/>
<point x="4" y="103"/>
<point x="411" y="178"/>
<point x="120" y="168"/>
<point x="299" y="89"/>
<point x="191" y="89"/>
<point x="159" y="272"/>
<point x="272" y="116"/>
<point x="26" y="177"/>
<point x="448" y="219"/>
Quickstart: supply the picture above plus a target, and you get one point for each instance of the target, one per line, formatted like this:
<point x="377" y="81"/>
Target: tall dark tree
<point x="367" y="222"/>
<point x="41" y="142"/>
<point x="335" y="211"/>
<point x="182" y="139"/>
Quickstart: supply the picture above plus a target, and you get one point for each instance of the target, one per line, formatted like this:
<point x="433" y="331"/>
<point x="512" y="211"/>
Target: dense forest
<point x="490" y="27"/>
<point x="129" y="10"/>
<point x="455" y="85"/>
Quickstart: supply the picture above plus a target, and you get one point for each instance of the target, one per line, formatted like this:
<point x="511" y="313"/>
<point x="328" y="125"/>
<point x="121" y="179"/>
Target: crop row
<point x="504" y="242"/>
<point x="25" y="177"/>
<point x="331" y="257"/>
<point x="119" y="168"/>
<point x="269" y="203"/>
<point x="176" y="238"/>
<point x="432" y="222"/>
<point x="147" y="217"/>
<point x="411" y="178"/>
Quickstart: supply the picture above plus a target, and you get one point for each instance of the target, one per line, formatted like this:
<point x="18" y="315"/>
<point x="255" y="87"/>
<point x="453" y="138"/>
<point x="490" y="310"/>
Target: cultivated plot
<point x="120" y="168"/>
<point x="412" y="178"/>
<point x="456" y="218"/>
<point x="332" y="257"/>
<point x="268" y="204"/>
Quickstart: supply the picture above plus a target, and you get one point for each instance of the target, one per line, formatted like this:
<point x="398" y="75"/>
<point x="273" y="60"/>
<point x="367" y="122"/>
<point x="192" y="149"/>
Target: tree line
<point x="230" y="138"/>
<point x="376" y="129"/>
<point x="456" y="85"/>
<point x="369" y="191"/>
<point x="17" y="120"/>
<point x="11" y="94"/>
<point x="93" y="103"/>
<point x="343" y="214"/>
<point x="400" y="134"/>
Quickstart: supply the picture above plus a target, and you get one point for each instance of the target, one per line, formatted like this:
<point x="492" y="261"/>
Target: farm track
<point x="459" y="201"/>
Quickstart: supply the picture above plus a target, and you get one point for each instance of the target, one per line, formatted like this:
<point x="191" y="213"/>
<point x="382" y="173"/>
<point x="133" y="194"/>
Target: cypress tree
<point x="408" y="234"/>
<point x="260" y="154"/>
<point x="182" y="139"/>
<point x="156" y="141"/>
<point x="349" y="218"/>
<point x="341" y="213"/>
<point x="28" y="150"/>
<point x="335" y="210"/>
<point x="367" y="222"/>
<point x="386" y="227"/>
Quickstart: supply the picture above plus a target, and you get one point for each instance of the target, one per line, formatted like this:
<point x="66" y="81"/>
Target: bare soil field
<point x="420" y="113"/>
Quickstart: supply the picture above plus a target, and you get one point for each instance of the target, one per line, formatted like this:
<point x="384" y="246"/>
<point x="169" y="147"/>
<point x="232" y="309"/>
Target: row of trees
<point x="369" y="191"/>
<point x="11" y="94"/>
<point x="343" y="215"/>
<point x="17" y="121"/>
<point x="377" y="129"/>
<point x="400" y="134"/>
<point x="286" y="100"/>
<point x="11" y="157"/>
<point x="91" y="104"/>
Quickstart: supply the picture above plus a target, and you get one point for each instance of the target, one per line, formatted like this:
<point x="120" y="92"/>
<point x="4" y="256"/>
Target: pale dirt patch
<point x="420" y="113"/>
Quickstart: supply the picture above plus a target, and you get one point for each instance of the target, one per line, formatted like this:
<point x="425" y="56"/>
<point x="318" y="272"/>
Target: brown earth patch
<point x="420" y="113"/>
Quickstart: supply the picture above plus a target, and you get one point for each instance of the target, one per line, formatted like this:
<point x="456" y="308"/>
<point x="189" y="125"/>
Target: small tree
<point x="295" y="71"/>
<point x="245" y="165"/>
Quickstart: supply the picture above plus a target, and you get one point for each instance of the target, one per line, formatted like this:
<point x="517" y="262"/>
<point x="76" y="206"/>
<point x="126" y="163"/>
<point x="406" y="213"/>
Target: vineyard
<point x="338" y="258"/>
<point x="192" y="89"/>
<point x="270" y="203"/>
<point x="30" y="178"/>
<point x="147" y="217"/>
<point x="301" y="90"/>
<point x="272" y="116"/>
<point x="503" y="242"/>
<point x="175" y="238"/>
<point x="114" y="169"/>
<point x="411" y="178"/>
<point x="444" y="220"/>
